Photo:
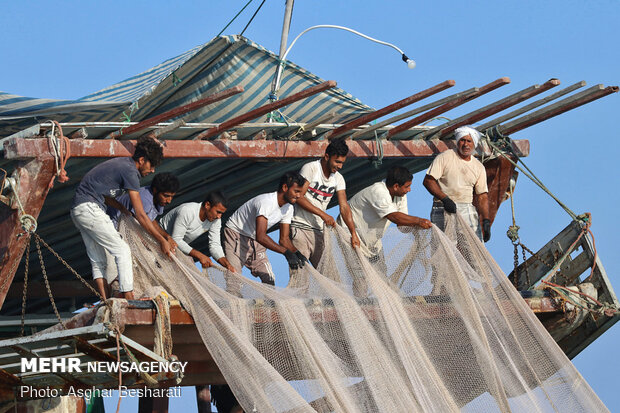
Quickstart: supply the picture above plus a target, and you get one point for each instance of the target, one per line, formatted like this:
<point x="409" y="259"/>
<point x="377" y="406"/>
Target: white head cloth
<point x="463" y="131"/>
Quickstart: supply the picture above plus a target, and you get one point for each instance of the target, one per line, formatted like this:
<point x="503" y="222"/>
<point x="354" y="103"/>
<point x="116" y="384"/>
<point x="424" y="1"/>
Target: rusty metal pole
<point x="253" y="114"/>
<point x="416" y="97"/>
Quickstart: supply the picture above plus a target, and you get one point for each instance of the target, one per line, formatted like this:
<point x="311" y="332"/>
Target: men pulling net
<point x="475" y="347"/>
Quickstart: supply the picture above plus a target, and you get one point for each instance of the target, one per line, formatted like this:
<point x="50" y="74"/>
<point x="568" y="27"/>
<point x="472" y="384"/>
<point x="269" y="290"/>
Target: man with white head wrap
<point x="454" y="178"/>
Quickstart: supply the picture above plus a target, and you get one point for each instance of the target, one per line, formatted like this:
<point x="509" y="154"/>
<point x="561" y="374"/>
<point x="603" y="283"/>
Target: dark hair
<point x="398" y="175"/>
<point x="165" y="182"/>
<point x="214" y="198"/>
<point x="291" y="178"/>
<point x="337" y="147"/>
<point x="150" y="149"/>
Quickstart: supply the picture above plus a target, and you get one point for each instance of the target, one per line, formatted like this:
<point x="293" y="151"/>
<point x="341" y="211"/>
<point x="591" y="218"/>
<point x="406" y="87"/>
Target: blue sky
<point x="67" y="49"/>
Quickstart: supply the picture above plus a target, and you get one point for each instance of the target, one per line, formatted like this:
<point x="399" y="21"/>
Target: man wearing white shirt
<point x="245" y="236"/>
<point x="190" y="220"/>
<point x="374" y="207"/>
<point x="309" y="219"/>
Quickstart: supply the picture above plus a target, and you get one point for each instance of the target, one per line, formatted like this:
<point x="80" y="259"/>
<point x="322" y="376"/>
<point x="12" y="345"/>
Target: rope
<point x="379" y="142"/>
<point x="127" y="118"/>
<point x="234" y="18"/>
<point x="527" y="172"/>
<point x="60" y="156"/>
<point x="251" y="18"/>
<point x="565" y="293"/>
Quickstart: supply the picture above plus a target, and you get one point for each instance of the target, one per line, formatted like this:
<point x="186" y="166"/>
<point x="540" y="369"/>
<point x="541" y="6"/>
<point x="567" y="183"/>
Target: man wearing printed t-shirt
<point x="454" y="178"/>
<point x="374" y="207"/>
<point x="190" y="220"/>
<point x="97" y="189"/>
<point x="245" y="236"/>
<point x="323" y="181"/>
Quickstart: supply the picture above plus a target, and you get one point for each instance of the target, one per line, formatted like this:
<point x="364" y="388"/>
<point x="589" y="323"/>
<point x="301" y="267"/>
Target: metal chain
<point x="539" y="258"/>
<point x="47" y="284"/>
<point x="516" y="263"/>
<point x="527" y="272"/>
<point x="78" y="276"/>
<point x="23" y="326"/>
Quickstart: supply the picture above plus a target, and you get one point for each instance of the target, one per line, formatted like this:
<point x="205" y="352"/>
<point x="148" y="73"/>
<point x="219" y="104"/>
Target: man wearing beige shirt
<point x="454" y="178"/>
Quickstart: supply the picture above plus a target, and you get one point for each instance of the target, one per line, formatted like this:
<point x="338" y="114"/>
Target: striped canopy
<point x="219" y="64"/>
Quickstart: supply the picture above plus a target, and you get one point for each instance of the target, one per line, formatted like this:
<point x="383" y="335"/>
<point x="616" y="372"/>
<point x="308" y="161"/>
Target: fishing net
<point x="430" y="325"/>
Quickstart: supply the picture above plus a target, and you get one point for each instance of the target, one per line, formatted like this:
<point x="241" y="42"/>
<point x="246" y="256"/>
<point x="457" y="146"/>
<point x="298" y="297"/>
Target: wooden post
<point x="499" y="172"/>
<point x="153" y="404"/>
<point x="33" y="178"/>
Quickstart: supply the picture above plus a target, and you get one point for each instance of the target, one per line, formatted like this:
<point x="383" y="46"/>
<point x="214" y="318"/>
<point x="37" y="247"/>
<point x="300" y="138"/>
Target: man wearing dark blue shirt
<point x="99" y="187"/>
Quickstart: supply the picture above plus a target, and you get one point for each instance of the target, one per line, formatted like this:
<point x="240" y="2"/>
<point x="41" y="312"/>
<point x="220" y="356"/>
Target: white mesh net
<point x="444" y="331"/>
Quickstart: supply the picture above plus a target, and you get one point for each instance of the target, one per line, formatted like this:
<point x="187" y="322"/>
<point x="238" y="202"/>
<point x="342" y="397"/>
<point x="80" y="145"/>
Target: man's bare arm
<point x="265" y="240"/>
<point x="115" y="204"/>
<point x="402" y="219"/>
<point x="482" y="205"/>
<point x="347" y="217"/>
<point x="432" y="186"/>
<point x="285" y="237"/>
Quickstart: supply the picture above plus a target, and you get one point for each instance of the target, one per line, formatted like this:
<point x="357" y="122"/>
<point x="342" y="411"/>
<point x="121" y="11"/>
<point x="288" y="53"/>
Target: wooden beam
<point x="173" y="113"/>
<point x="530" y="106"/>
<point x="499" y="172"/>
<point x="447" y="106"/>
<point x="410" y="113"/>
<point x="236" y="149"/>
<point x="491" y="109"/>
<point x="416" y="97"/>
<point x="270" y="107"/>
<point x="569" y="103"/>
<point x="33" y="178"/>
